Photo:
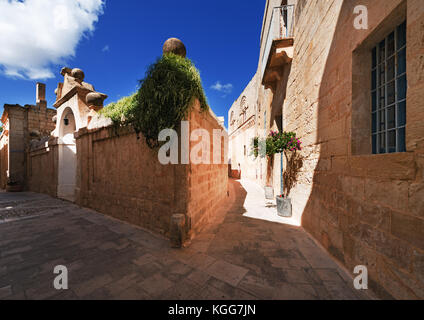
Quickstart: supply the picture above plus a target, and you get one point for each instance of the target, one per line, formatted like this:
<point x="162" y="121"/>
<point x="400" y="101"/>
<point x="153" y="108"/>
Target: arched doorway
<point x="67" y="156"/>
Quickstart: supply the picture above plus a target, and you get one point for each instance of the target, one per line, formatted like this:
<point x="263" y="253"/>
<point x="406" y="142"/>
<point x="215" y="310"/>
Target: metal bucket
<point x="284" y="207"/>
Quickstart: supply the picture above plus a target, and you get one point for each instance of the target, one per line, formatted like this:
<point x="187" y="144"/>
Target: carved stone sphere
<point x="78" y="74"/>
<point x="95" y="99"/>
<point x="176" y="46"/>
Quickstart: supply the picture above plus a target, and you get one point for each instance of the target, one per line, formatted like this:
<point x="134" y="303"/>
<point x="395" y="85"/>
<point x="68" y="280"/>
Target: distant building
<point x="21" y="124"/>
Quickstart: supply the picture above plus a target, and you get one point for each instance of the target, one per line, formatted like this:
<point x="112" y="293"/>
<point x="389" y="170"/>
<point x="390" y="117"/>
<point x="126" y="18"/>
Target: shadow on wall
<point x="355" y="197"/>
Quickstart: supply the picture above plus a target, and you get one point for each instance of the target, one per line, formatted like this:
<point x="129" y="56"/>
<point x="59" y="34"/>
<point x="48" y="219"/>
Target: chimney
<point x="41" y="95"/>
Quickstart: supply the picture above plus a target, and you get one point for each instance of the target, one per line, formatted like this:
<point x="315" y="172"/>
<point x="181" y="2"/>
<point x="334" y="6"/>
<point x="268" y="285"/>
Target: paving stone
<point x="156" y="285"/>
<point x="227" y="272"/>
<point x="15" y="251"/>
<point x="42" y="291"/>
<point x="123" y="283"/>
<point x="295" y="292"/>
<point x="199" y="277"/>
<point x="5" y="292"/>
<point x="280" y="262"/>
<point x="257" y="286"/>
<point x="340" y="291"/>
<point x="200" y="261"/>
<point x="145" y="259"/>
<point x="298" y="263"/>
<point x="211" y="293"/>
<point x="316" y="257"/>
<point x="91" y="285"/>
<point x="331" y="275"/>
<point x="236" y="258"/>
<point x="296" y="276"/>
<point x="149" y="269"/>
<point x="135" y="292"/>
<point x="64" y="295"/>
<point x="177" y="271"/>
<point x="183" y="290"/>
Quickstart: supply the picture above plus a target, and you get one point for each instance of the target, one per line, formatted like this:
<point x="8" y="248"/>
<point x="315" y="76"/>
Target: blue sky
<point x="115" y="43"/>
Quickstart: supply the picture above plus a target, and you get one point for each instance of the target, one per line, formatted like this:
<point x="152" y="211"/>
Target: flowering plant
<point x="276" y="142"/>
<point x="280" y="142"/>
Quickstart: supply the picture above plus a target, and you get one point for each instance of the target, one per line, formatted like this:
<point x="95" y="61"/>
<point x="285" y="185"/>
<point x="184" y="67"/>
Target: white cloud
<point x="224" y="88"/>
<point x="34" y="34"/>
<point x="105" y="48"/>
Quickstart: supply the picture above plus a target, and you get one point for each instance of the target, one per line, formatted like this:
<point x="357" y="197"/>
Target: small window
<point x="388" y="93"/>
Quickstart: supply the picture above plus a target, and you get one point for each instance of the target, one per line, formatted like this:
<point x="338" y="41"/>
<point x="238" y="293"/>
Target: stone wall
<point x="242" y="128"/>
<point x="22" y="124"/>
<point x="42" y="168"/>
<point x="4" y="156"/>
<point x="120" y="176"/>
<point x="208" y="183"/>
<point x="365" y="209"/>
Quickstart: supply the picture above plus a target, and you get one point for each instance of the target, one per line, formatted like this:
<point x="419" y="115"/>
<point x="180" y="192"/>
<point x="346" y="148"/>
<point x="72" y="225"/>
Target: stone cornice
<point x="75" y="90"/>
<point x="242" y="125"/>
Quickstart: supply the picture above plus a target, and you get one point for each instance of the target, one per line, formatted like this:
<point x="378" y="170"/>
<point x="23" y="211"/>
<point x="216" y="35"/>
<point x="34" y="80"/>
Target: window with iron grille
<point x="388" y="93"/>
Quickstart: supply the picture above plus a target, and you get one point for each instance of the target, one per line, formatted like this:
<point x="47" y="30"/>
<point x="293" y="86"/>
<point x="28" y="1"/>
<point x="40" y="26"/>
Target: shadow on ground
<point x="235" y="257"/>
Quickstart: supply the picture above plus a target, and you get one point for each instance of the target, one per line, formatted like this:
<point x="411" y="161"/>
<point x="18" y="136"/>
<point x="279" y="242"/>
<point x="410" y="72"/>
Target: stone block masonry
<point x="21" y="126"/>
<point x="364" y="208"/>
<point x="120" y="176"/>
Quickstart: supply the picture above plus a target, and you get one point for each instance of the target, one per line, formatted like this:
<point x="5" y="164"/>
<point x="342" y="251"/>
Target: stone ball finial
<point x="65" y="70"/>
<point x="176" y="46"/>
<point x="95" y="99"/>
<point x="78" y="74"/>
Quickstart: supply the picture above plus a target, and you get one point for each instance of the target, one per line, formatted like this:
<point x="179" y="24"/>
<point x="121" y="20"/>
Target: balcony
<point x="278" y="50"/>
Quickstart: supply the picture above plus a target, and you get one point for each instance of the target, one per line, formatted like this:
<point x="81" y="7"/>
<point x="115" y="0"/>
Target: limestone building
<point x="243" y="116"/>
<point x="21" y="125"/>
<point x="354" y="97"/>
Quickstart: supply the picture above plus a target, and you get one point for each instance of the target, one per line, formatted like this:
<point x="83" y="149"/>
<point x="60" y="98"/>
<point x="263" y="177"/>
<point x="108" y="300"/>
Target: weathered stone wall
<point x="22" y="124"/>
<point x="119" y="175"/>
<point x="42" y="168"/>
<point x="16" y="143"/>
<point x="208" y="183"/>
<point x="242" y="128"/>
<point x="4" y="156"/>
<point x="365" y="209"/>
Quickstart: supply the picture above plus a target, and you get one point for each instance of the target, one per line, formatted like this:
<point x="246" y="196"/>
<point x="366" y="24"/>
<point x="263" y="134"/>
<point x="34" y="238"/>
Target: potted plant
<point x="284" y="206"/>
<point x="288" y="144"/>
<point x="13" y="185"/>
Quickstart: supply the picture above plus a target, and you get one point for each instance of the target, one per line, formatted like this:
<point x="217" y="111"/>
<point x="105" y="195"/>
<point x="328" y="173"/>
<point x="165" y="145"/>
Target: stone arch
<point x="67" y="169"/>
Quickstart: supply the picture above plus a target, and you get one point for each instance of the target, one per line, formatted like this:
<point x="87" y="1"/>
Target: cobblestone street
<point x="235" y="257"/>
